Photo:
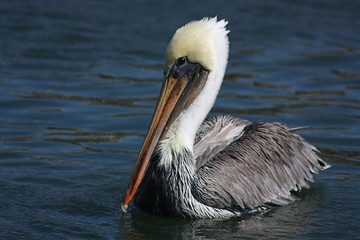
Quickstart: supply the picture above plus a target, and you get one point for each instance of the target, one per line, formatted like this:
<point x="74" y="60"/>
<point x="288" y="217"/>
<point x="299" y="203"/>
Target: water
<point x="79" y="81"/>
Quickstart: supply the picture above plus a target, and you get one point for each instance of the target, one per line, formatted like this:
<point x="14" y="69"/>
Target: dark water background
<point x="79" y="81"/>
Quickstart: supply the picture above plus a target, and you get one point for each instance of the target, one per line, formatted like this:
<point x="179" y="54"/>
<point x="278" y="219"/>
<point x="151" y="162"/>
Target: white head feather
<point x="205" y="42"/>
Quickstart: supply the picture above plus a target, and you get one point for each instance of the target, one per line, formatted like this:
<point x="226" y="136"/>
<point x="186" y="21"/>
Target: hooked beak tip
<point x="123" y="207"/>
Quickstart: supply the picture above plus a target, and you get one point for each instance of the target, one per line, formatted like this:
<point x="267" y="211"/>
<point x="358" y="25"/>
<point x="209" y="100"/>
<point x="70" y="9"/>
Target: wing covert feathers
<point x="262" y="165"/>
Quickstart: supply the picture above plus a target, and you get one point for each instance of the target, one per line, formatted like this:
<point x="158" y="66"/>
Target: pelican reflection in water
<point x="192" y="167"/>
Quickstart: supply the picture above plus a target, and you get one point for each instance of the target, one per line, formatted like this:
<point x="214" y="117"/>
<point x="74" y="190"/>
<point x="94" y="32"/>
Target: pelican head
<point x="204" y="42"/>
<point x="195" y="62"/>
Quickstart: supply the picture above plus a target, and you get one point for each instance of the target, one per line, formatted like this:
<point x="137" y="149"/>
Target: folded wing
<point x="243" y="165"/>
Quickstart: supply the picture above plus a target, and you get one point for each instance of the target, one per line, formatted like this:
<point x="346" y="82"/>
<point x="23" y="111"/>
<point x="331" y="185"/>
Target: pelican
<point x="191" y="166"/>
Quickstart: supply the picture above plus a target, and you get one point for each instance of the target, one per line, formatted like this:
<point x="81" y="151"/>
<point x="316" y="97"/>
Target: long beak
<point x="169" y="96"/>
<point x="173" y="99"/>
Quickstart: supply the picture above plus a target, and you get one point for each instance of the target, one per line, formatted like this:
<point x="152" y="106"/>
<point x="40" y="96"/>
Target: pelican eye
<point x="181" y="62"/>
<point x="179" y="68"/>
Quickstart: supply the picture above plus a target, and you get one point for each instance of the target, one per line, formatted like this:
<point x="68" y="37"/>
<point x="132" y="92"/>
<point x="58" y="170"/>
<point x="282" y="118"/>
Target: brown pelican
<point x="192" y="167"/>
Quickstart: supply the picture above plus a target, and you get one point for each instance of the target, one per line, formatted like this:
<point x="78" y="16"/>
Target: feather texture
<point x="263" y="165"/>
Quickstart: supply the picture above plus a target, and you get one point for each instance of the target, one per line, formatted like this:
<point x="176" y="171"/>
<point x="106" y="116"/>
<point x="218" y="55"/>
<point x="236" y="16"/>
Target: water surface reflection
<point x="287" y="222"/>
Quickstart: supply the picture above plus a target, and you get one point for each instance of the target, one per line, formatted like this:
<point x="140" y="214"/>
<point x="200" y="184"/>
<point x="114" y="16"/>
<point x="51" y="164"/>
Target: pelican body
<point x="191" y="166"/>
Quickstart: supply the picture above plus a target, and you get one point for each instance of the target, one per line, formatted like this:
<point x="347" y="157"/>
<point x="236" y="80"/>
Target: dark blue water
<point x="79" y="81"/>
